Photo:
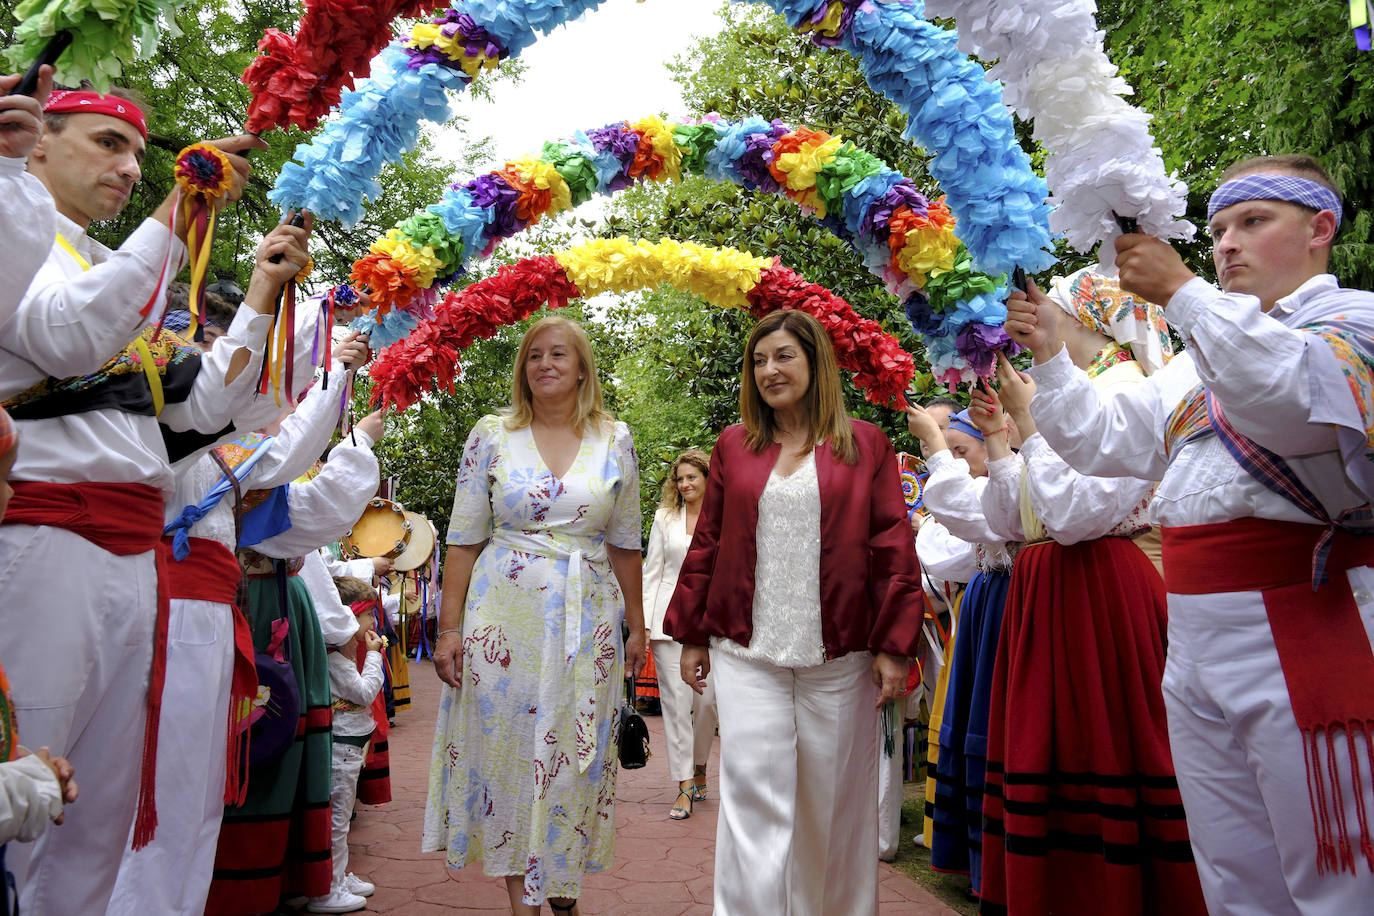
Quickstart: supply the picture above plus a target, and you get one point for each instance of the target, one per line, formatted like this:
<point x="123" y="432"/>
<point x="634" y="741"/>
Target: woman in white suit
<point x="689" y="719"/>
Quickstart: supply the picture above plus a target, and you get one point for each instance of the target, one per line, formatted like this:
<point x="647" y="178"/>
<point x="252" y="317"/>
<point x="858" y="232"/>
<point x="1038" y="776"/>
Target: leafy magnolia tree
<point x="1242" y="78"/>
<point x="759" y="66"/>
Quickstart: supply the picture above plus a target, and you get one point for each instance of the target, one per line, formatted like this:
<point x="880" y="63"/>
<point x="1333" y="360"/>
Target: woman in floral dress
<point x="543" y="562"/>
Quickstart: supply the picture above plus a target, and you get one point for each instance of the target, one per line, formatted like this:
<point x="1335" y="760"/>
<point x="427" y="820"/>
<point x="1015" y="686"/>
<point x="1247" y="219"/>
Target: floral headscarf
<point x="1099" y="303"/>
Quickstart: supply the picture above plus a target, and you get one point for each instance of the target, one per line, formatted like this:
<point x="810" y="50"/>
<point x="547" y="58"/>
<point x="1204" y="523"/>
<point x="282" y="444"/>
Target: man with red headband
<point x="1262" y="435"/>
<point x="26" y="220"/>
<point x="84" y="528"/>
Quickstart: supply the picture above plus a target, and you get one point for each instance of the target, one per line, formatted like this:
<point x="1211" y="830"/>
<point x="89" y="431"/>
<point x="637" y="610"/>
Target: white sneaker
<point x="338" y="901"/>
<point x="355" y="885"/>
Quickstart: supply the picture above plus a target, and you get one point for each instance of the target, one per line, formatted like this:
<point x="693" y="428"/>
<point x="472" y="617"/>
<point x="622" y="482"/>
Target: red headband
<point x="67" y="101"/>
<point x="362" y="607"/>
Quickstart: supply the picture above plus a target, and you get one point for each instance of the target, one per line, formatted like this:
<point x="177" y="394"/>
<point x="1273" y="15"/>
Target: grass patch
<point x="914" y="861"/>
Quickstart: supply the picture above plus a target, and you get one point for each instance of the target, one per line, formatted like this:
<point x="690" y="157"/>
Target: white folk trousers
<point x="1239" y="759"/>
<point x="891" y="792"/>
<point x="171" y="875"/>
<point x="797" y="833"/>
<point x="689" y="718"/>
<point x="345" y="768"/>
<point x="78" y="647"/>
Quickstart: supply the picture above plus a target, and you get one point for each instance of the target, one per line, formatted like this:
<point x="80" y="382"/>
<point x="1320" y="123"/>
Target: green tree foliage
<point x="1226" y="81"/>
<point x="758" y="66"/>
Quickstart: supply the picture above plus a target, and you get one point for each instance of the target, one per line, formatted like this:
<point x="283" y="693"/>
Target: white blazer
<point x="668" y="543"/>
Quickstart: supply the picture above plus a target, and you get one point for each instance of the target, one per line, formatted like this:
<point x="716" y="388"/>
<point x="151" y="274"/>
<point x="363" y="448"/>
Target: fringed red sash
<point x="124" y="519"/>
<point x="1325" y="653"/>
<point x="211" y="572"/>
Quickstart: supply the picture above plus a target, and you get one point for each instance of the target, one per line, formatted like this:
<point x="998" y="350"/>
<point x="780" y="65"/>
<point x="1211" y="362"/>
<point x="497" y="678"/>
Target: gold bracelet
<point x="442" y="633"/>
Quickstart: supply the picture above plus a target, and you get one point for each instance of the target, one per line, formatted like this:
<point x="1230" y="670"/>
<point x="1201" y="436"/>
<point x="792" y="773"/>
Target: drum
<point x="382" y="531"/>
<point x="419" y="548"/>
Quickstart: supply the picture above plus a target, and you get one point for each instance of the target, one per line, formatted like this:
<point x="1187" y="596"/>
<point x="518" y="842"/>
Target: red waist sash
<point x="123" y="519"/>
<point x="1325" y="653"/>
<point x="211" y="572"/>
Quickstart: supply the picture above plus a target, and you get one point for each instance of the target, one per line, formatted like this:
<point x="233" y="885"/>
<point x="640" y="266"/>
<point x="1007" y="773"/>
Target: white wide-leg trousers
<point x="798" y="832"/>
<point x="171" y="875"/>
<point x="689" y="718"/>
<point x="1238" y="755"/>
<point x="78" y="648"/>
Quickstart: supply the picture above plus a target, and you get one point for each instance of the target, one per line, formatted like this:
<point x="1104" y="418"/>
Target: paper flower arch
<point x="723" y="276"/>
<point x="906" y="241"/>
<point x="951" y="108"/>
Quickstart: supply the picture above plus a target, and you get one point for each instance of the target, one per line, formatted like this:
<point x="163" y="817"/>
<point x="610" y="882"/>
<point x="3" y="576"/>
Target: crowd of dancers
<point x="1157" y="697"/>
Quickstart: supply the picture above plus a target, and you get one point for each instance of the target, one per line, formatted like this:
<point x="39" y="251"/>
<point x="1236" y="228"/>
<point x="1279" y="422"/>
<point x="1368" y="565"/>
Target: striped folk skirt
<point x="1082" y="813"/>
<point x="958" y="816"/>
<point x="278" y="843"/>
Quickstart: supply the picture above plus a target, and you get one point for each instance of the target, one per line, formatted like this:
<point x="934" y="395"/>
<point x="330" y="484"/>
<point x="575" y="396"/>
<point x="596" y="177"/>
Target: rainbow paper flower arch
<point x="723" y="276"/>
<point x="906" y="241"/>
<point x="951" y="108"/>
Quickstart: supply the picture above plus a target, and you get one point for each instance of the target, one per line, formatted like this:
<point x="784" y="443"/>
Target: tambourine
<point x="913" y="476"/>
<point x="382" y="531"/>
<point x="419" y="548"/>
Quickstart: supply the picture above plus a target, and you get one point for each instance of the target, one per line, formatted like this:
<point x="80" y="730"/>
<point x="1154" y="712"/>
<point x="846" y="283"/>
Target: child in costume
<point x="353" y="694"/>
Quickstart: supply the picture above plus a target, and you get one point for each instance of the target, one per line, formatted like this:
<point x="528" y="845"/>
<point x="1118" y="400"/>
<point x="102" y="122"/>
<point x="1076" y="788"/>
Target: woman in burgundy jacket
<point x="803" y="582"/>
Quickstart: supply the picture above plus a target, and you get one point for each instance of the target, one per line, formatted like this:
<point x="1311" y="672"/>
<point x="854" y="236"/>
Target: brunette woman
<point x="801" y="592"/>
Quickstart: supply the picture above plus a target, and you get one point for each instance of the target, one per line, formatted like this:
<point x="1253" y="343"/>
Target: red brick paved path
<point x="662" y="867"/>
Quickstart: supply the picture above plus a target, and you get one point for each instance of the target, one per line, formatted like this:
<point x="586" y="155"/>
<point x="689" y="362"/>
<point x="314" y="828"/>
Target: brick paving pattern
<point x="662" y="867"/>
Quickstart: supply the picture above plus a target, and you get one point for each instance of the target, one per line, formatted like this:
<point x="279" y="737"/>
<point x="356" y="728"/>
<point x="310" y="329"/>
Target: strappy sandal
<point x="679" y="813"/>
<point x="562" y="909"/>
<point x="699" y="788"/>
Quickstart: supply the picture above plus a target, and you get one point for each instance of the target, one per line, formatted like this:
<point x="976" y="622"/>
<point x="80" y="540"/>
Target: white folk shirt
<point x="943" y="556"/>
<point x="27" y="221"/>
<point x="71" y="322"/>
<point x="1255" y="364"/>
<point x="955" y="497"/>
<point x="322" y="510"/>
<point x="301" y="440"/>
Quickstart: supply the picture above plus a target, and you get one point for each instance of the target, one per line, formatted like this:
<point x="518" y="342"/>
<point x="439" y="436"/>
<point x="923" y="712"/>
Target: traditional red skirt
<point x="1081" y="809"/>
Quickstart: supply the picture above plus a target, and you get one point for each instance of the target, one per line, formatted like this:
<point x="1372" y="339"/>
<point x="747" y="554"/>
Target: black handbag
<point x="632" y="735"/>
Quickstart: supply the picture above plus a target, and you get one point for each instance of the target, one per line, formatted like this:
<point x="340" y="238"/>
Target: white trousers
<point x="689" y="718"/>
<point x="78" y="646"/>
<point x="171" y="875"/>
<point x="797" y="833"/>
<point x="345" y="768"/>
<point x="1238" y="755"/>
<point x="890" y="790"/>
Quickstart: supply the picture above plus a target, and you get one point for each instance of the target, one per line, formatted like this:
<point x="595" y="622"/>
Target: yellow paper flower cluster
<point x="421" y="260"/>
<point x="661" y="137"/>
<point x="722" y="276"/>
<point x="426" y="35"/>
<point x="800" y="167"/>
<point x="535" y="172"/>
<point x="929" y="251"/>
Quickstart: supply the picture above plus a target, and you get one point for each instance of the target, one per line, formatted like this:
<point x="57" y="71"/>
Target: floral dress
<point x="523" y="772"/>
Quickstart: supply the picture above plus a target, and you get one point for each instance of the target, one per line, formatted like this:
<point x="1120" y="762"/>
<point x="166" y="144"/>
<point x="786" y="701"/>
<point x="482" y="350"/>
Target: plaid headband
<point x="961" y="422"/>
<point x="1267" y="186"/>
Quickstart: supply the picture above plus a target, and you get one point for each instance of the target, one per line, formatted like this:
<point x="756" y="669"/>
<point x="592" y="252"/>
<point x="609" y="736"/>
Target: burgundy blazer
<point x="870" y="581"/>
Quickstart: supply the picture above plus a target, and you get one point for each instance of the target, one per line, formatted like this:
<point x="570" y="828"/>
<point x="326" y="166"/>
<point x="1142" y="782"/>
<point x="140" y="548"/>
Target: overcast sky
<point x="607" y="66"/>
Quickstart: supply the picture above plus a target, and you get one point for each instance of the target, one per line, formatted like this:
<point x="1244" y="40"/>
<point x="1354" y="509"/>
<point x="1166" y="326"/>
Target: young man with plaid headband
<point x="1262" y="433"/>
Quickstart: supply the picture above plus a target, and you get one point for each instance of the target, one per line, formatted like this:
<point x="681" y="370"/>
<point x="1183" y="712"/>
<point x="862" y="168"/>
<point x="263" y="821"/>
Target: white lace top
<point x="787" y="574"/>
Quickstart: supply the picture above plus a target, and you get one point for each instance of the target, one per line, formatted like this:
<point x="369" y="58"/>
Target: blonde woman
<point x="689" y="718"/>
<point x="801" y="595"/>
<point x="543" y="566"/>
